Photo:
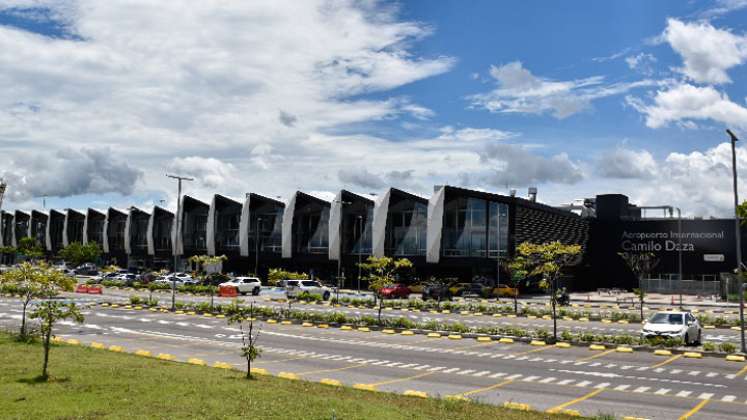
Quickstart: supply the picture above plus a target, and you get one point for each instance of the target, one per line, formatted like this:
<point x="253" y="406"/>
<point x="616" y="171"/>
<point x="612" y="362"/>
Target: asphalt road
<point x="637" y="384"/>
<point x="716" y="335"/>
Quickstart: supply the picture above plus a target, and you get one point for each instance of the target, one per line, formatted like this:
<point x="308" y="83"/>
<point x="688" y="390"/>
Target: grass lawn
<point x="87" y="383"/>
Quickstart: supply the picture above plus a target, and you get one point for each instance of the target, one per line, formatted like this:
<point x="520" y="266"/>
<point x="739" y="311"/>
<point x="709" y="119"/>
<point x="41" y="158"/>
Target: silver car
<point x="671" y="324"/>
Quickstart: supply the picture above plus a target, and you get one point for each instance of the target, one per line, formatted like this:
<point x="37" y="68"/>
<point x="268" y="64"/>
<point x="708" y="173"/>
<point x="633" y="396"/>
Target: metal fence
<point x="686" y="287"/>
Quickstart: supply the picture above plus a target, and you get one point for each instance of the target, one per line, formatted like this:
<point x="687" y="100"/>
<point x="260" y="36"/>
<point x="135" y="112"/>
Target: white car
<point x="672" y="324"/>
<point x="245" y="285"/>
<point x="295" y="288"/>
<point x="180" y="276"/>
<point x="175" y="280"/>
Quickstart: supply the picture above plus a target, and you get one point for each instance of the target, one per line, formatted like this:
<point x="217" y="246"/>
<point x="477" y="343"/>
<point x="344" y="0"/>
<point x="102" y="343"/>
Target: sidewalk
<point x="651" y="299"/>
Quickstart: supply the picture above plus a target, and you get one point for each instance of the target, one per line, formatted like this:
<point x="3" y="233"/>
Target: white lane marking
<point x="675" y="371"/>
<point x="583" y="384"/>
<point x="705" y="396"/>
<point x="602" y="385"/>
<point x="514" y="376"/>
<point x="466" y="371"/>
<point x="548" y="380"/>
<point x="622" y="387"/>
<point x="383" y="362"/>
<point x="728" y="398"/>
<point x="421" y="367"/>
<point x="483" y="373"/>
<point x="408" y="365"/>
<point x="641" y="389"/>
<point x="497" y="375"/>
<point x="683" y="393"/>
<point x="451" y="370"/>
<point x="436" y="369"/>
<point x="711" y="374"/>
<point x="530" y="378"/>
<point x="662" y="391"/>
<point x="566" y="382"/>
<point x="393" y="364"/>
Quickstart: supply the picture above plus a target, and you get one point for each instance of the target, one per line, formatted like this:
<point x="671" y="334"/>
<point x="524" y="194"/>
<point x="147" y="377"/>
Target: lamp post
<point x="737" y="230"/>
<point x="256" y="247"/>
<point x="178" y="231"/>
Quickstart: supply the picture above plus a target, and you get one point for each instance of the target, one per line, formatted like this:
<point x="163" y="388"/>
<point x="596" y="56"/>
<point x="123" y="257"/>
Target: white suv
<point x="673" y="324"/>
<point x="296" y="288"/>
<point x="245" y="285"/>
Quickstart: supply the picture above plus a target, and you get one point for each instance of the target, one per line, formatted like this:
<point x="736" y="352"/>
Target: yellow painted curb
<point x="139" y="308"/>
<point x="517" y="406"/>
<point x="572" y="413"/>
<point x="260" y="371"/>
<point x="693" y="355"/>
<point x="484" y="339"/>
<point x="597" y="347"/>
<point x="413" y="393"/>
<point x="179" y="312"/>
<point x="307" y="324"/>
<point x="506" y="340"/>
<point x="198" y="362"/>
<point x="220" y="316"/>
<point x="153" y="309"/>
<point x="322" y="326"/>
<point x="434" y="335"/>
<point x="562" y="345"/>
<point x="191" y="313"/>
<point x="388" y="331"/>
<point x="104" y="304"/>
<point x="272" y="321"/>
<point x="445" y="311"/>
<point x="116" y="349"/>
<point x="511" y="316"/>
<point x="583" y="319"/>
<point x="207" y="315"/>
<point x="546" y="317"/>
<point x="735" y="328"/>
<point x="346" y="328"/>
<point x="407" y="332"/>
<point x="567" y="318"/>
<point x="624" y="349"/>
<point x="72" y="341"/>
<point x="405" y="310"/>
<point x="735" y="358"/>
<point x="365" y="387"/>
<point x="477" y="314"/>
<point x="143" y="353"/>
<point x="455" y="336"/>
<point x="496" y="316"/>
<point x="364" y="329"/>
<point x="114" y="305"/>
<point x="330" y="382"/>
<point x="531" y="316"/>
<point x="634" y="418"/>
<point x="285" y="322"/>
<point x="433" y="311"/>
<point x="537" y="343"/>
<point x="96" y="345"/>
<point x="622" y="321"/>
<point x="606" y="321"/>
<point x="464" y="312"/>
<point x="457" y="397"/>
<point x="288" y="375"/>
<point x="661" y="352"/>
<point x="165" y="356"/>
<point x="127" y="306"/>
<point x="709" y="327"/>
<point x="222" y="365"/>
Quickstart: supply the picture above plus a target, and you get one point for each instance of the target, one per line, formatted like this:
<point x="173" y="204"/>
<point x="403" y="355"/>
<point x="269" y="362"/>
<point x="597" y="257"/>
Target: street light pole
<point x="178" y="231"/>
<point x="737" y="229"/>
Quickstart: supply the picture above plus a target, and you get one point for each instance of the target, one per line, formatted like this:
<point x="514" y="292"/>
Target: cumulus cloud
<point x="626" y="163"/>
<point x="520" y="91"/>
<point x="707" y="52"/>
<point x="361" y="178"/>
<point x="221" y="81"/>
<point x="514" y="165"/>
<point x="684" y="102"/>
<point x="641" y="62"/>
<point x="69" y="172"/>
<point x="210" y="172"/>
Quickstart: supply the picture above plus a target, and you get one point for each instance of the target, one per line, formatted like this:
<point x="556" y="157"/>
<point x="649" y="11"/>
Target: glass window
<point x="475" y="228"/>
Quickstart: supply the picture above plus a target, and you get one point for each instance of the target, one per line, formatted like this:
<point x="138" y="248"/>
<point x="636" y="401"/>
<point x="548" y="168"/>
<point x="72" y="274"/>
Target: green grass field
<point x="91" y="384"/>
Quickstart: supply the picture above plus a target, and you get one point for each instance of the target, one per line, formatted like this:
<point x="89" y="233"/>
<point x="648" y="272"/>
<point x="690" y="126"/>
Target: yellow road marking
<point x="742" y="371"/>
<point x="604" y="353"/>
<point x="694" y="410"/>
<point x="668" y="361"/>
<point x="409" y="378"/>
<point x="331" y="370"/>
<point x="487" y="388"/>
<point x="560" y="407"/>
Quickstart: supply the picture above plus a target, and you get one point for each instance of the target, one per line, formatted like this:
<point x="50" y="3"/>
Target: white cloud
<point x="723" y="7"/>
<point x="642" y="62"/>
<point x="225" y="80"/>
<point x="470" y="134"/>
<point x="210" y="172"/>
<point x="684" y="102"/>
<point x="515" y="166"/>
<point x="69" y="172"/>
<point x="626" y="163"/>
<point x="519" y="91"/>
<point x="707" y="52"/>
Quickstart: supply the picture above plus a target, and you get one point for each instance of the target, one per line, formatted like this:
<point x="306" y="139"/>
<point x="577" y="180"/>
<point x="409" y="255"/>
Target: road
<point x="716" y="335"/>
<point x="637" y="384"/>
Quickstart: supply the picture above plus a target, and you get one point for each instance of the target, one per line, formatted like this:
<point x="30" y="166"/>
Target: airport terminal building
<point x="455" y="233"/>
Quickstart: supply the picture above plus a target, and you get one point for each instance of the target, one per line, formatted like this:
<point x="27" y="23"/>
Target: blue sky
<point x="576" y="98"/>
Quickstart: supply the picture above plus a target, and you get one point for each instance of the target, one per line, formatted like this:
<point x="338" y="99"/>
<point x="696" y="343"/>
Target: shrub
<point x="152" y="302"/>
<point x="136" y="300"/>
<point x="566" y="336"/>
<point x="727" y="347"/>
<point x="312" y="297"/>
<point x="709" y="347"/>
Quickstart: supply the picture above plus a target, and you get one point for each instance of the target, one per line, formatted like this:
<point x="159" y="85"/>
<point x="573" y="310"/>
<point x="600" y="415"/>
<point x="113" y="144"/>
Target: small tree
<point x="35" y="281"/>
<point x="381" y="273"/>
<point x="30" y="248"/>
<point x="202" y="262"/>
<point x="249" y="349"/>
<point x="48" y="313"/>
<point x="548" y="261"/>
<point x="641" y="265"/>
<point x="518" y="271"/>
<point x="277" y="274"/>
<point x="76" y="253"/>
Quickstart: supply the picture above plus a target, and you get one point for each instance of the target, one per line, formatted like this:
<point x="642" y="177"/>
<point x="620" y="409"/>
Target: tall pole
<point x="178" y="230"/>
<point x="737" y="230"/>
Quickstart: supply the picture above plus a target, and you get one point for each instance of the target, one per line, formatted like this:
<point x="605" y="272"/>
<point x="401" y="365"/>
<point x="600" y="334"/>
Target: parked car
<point x="108" y="276"/>
<point x="395" y="291"/>
<point x="294" y="288"/>
<point x="127" y="279"/>
<point x="458" y="289"/>
<point x="87" y="269"/>
<point x="434" y="291"/>
<point x="673" y="324"/>
<point x="244" y="285"/>
<point x="176" y="280"/>
<point x="504" y="290"/>
<point x="284" y="283"/>
<point x="181" y="276"/>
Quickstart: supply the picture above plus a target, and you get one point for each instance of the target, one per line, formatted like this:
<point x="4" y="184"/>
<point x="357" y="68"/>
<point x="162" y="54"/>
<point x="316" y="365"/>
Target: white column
<point x="244" y="228"/>
<point x="435" y="226"/>
<point x="335" y="219"/>
<point x="210" y="228"/>
<point x="149" y="233"/>
<point x="287" y="237"/>
<point x="128" y="228"/>
<point x="105" y="237"/>
<point x="380" y="215"/>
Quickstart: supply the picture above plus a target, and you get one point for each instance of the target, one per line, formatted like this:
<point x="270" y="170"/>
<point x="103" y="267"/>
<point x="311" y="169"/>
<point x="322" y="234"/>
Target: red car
<point x="395" y="291"/>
